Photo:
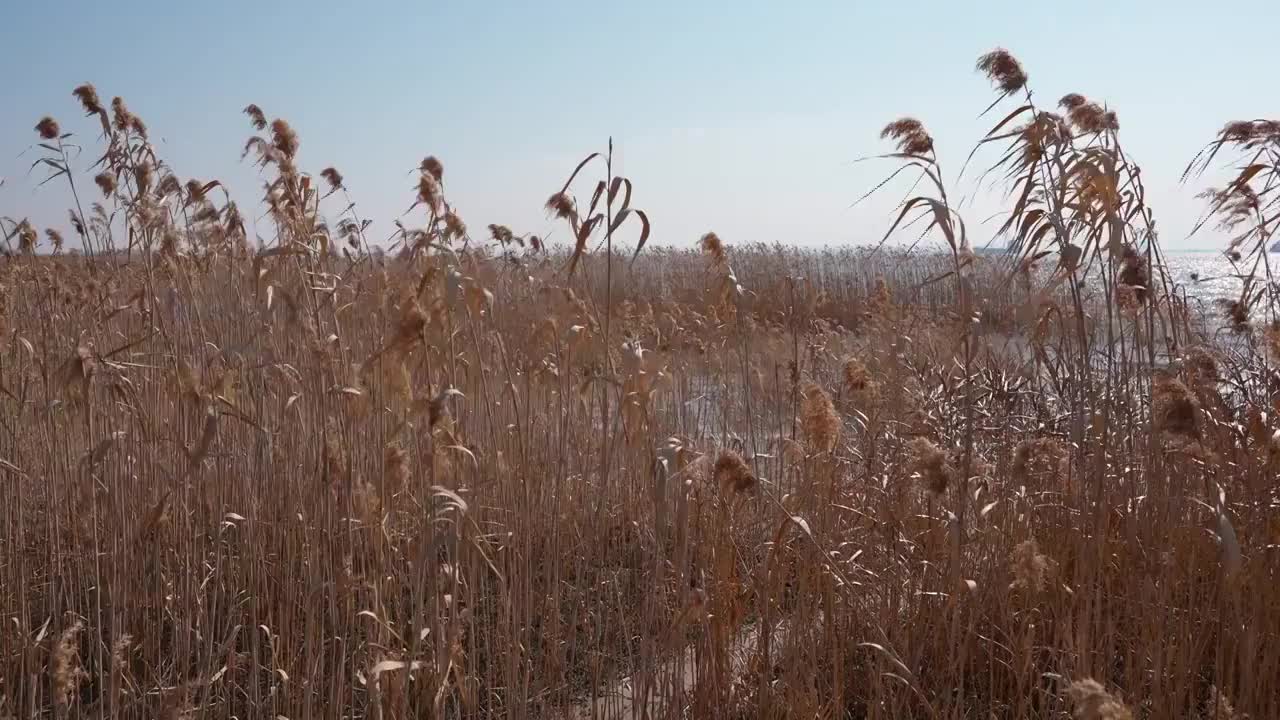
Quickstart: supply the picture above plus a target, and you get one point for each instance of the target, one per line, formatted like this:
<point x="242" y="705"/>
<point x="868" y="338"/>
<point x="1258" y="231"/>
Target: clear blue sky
<point x="738" y="117"/>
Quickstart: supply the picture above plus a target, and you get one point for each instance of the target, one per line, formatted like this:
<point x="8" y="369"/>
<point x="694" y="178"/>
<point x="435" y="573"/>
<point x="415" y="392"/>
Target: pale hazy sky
<point x="739" y="117"/>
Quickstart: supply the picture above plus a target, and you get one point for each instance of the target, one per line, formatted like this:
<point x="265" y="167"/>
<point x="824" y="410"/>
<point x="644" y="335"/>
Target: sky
<point x="740" y="117"/>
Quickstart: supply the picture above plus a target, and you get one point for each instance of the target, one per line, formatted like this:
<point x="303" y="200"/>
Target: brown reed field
<point x="471" y="476"/>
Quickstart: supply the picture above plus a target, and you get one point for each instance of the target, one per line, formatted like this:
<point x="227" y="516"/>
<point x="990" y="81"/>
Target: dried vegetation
<point x="475" y="478"/>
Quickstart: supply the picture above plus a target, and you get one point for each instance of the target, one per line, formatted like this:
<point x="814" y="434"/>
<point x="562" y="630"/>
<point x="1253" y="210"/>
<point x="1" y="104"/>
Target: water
<point x="1208" y="276"/>
<point x="1207" y="280"/>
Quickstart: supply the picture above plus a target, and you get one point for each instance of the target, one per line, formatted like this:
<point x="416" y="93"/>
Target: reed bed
<point x="455" y="473"/>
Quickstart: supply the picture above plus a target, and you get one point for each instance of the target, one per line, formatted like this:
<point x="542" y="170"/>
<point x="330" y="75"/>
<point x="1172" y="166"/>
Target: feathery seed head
<point x="432" y="166"/>
<point x="333" y="177"/>
<point x="856" y="376"/>
<point x="1037" y="458"/>
<point x="75" y="220"/>
<point x="283" y="138"/>
<point x="900" y="127"/>
<point x="1133" y="276"/>
<point x="1175" y="406"/>
<point x="195" y="190"/>
<point x="1029" y="567"/>
<point x="1247" y="132"/>
<point x="713" y="247"/>
<point x="1003" y="69"/>
<point x="931" y="463"/>
<point x="27" y="237"/>
<point x="862" y="387"/>
<point x="1087" y="116"/>
<point x="64" y="666"/>
<point x="561" y="205"/>
<point x="120" y="114"/>
<point x="1238" y="130"/>
<point x="909" y="135"/>
<point x="1071" y="101"/>
<point x="819" y="420"/>
<point x="142" y="173"/>
<point x="168" y="186"/>
<point x="106" y="182"/>
<point x="1201" y="368"/>
<point x="454" y="227"/>
<point x="1092" y="702"/>
<point x="731" y="473"/>
<point x="55" y="239"/>
<point x="169" y="243"/>
<point x="48" y="128"/>
<point x="256" y="117"/>
<point x="87" y="94"/>
<point x="501" y="234"/>
<point x="1044" y="130"/>
<point x="429" y="191"/>
<point x="1238" y="313"/>
<point x="232" y="220"/>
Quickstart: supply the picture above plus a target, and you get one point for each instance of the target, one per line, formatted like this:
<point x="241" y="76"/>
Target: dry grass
<point x="477" y="479"/>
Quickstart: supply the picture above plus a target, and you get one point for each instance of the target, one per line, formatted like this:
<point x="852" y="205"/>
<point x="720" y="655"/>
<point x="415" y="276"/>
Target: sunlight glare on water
<point x="1207" y="276"/>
